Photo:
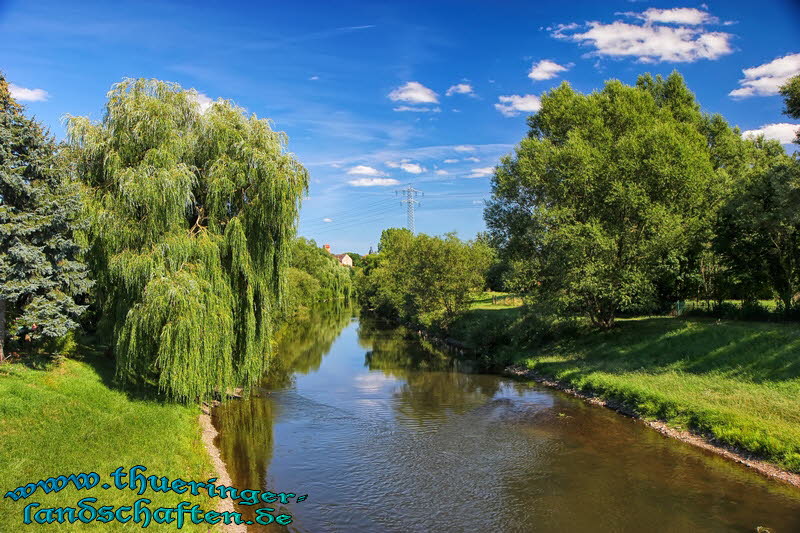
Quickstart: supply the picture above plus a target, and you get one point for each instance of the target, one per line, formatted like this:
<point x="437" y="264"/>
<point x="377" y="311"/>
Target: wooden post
<point x="2" y="328"/>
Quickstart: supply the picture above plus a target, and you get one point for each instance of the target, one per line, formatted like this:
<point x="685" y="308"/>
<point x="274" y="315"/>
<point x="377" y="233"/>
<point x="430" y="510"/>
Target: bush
<point x="755" y="310"/>
<point x="725" y="310"/>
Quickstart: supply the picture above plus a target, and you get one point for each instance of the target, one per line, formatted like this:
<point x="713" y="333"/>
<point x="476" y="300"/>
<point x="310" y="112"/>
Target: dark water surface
<point x="387" y="434"/>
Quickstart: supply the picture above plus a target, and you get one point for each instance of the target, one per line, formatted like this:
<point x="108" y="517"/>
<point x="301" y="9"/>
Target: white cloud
<point x="373" y="182"/>
<point x="442" y="173"/>
<point x="417" y="109"/>
<point x="327" y="220"/>
<point x="460" y="88"/>
<point x="481" y="172"/>
<point x="651" y="42"/>
<point x="415" y="93"/>
<point x="363" y="170"/>
<point x="202" y="100"/>
<point x="782" y="132"/>
<point x="406" y="165"/>
<point x="412" y="168"/>
<point x="473" y="159"/>
<point x="423" y="155"/>
<point x="677" y="15"/>
<point x="545" y="70"/>
<point x="766" y="79"/>
<point x="512" y="105"/>
<point x="27" y="95"/>
<point x="463" y="148"/>
<point x="448" y="161"/>
<point x="313" y="78"/>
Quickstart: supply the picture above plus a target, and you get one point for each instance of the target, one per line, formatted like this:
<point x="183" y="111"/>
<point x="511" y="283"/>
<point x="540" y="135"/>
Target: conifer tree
<point x="39" y="269"/>
<point x="192" y="215"/>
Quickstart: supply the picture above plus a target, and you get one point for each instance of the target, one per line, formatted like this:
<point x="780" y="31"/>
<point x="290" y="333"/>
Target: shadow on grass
<point x="96" y="353"/>
<point x="489" y="330"/>
<point x="752" y="351"/>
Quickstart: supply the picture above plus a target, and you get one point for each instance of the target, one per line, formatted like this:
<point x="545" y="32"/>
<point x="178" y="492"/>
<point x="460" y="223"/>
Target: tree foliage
<point x="791" y="98"/>
<point x="192" y="218"/>
<point x="358" y="259"/>
<point x="422" y="279"/>
<point x="608" y="202"/>
<point x="315" y="275"/>
<point x="39" y="256"/>
<point x="759" y="233"/>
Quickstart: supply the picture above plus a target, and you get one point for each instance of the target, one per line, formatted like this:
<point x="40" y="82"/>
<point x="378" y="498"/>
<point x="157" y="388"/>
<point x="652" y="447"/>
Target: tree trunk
<point x="786" y="296"/>
<point x="2" y="329"/>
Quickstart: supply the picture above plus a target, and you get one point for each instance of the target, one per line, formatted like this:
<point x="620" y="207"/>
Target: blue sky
<point x="376" y="96"/>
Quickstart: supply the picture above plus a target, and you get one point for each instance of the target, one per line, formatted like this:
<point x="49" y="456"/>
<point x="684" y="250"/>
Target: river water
<point x="386" y="433"/>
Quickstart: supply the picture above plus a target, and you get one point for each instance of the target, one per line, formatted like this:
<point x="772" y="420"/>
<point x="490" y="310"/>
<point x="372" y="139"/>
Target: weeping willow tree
<point x="192" y="214"/>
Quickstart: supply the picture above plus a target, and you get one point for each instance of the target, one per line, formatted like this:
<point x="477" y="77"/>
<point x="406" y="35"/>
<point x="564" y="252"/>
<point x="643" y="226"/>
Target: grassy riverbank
<point x="736" y="382"/>
<point x="68" y="419"/>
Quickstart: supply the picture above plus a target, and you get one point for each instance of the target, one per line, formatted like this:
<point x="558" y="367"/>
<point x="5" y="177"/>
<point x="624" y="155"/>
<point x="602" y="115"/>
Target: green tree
<point x="791" y="98"/>
<point x="316" y="275"/>
<point x="605" y="198"/>
<point x="358" y="259"/>
<point x="192" y="219"/>
<point x="39" y="207"/>
<point x="423" y="279"/>
<point x="759" y="233"/>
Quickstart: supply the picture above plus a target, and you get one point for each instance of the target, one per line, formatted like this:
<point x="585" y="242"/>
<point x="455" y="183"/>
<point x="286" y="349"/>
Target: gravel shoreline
<point x="208" y="433"/>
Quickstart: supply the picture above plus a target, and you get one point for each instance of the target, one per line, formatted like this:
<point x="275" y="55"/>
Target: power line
<point x="348" y="209"/>
<point x="347" y="217"/>
<point x="362" y="216"/>
<point x="350" y="224"/>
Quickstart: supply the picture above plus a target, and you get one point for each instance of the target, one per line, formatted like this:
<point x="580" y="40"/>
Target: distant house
<point x="344" y="259"/>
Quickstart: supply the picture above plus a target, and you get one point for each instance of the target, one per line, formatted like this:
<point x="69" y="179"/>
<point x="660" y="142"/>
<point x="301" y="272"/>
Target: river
<point x="385" y="433"/>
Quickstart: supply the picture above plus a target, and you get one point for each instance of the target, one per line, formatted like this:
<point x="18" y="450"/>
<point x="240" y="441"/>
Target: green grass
<point x="69" y="420"/>
<point x="488" y="325"/>
<point x="736" y="382"/>
<point x="496" y="300"/>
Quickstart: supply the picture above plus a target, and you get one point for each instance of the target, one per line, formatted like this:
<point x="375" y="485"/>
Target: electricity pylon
<point x="409" y="198"/>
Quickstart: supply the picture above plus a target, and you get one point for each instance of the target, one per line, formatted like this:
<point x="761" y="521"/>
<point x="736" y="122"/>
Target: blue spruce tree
<point x="40" y="274"/>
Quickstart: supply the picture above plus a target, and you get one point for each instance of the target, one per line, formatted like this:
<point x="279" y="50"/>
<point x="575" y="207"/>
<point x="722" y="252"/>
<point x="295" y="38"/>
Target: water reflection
<point x="434" y="384"/>
<point x="387" y="433"/>
<point x="300" y="348"/>
<point x="245" y="427"/>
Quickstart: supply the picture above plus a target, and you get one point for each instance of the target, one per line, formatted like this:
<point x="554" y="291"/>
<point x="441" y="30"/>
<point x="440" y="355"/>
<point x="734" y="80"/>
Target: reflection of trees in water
<point x="245" y="438"/>
<point x="303" y="342"/>
<point x="245" y="426"/>
<point x="435" y="381"/>
<point x="434" y="395"/>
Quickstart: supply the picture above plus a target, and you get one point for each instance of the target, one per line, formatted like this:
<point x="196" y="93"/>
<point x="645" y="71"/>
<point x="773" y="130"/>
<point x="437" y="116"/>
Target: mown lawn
<point x="737" y="382"/>
<point x="68" y="419"/>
